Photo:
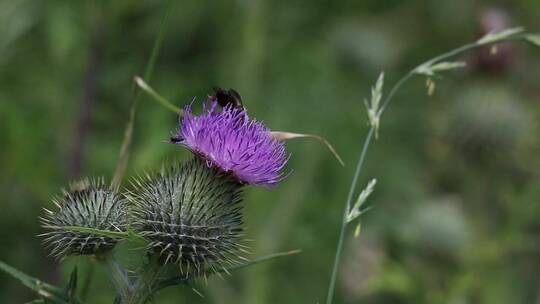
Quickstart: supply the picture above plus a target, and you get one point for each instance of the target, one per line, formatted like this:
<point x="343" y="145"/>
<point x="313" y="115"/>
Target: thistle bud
<point x="88" y="204"/>
<point x="487" y="122"/>
<point x="190" y="216"/>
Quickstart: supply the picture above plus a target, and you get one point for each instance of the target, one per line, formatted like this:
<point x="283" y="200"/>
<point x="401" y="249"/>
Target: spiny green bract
<point x="88" y="204"/>
<point x="191" y="216"/>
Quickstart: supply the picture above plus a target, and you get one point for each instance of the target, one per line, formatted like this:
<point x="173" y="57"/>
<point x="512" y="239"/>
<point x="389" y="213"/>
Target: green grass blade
<point x="264" y="259"/>
<point x="513" y="34"/>
<point x="155" y="96"/>
<point x="71" y="289"/>
<point x="282" y="136"/>
<point x="128" y="133"/>
<point x="176" y="280"/>
<point x="52" y="293"/>
<point x="130" y="235"/>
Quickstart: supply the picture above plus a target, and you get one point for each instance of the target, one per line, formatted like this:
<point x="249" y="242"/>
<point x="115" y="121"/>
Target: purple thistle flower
<point x="236" y="144"/>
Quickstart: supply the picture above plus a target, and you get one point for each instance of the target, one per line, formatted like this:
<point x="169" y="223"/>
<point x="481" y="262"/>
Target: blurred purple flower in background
<point x="229" y="140"/>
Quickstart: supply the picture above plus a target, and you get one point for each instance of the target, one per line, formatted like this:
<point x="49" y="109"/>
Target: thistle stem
<point x="369" y="139"/>
<point x="87" y="281"/>
<point x="118" y="277"/>
<point x="143" y="290"/>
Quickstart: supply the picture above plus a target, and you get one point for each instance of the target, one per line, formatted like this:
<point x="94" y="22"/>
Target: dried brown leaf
<point x="283" y="136"/>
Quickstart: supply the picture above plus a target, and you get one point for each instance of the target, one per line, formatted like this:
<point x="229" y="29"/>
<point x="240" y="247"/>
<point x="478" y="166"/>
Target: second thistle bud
<point x="190" y="216"/>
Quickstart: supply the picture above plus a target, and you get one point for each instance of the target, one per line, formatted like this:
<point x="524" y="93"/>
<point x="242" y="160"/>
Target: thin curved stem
<point x="118" y="277"/>
<point x="176" y="280"/>
<point x="156" y="97"/>
<point x="89" y="276"/>
<point x="143" y="288"/>
<point x="412" y="72"/>
<point x="337" y="259"/>
<point x="447" y="55"/>
<point x="395" y="89"/>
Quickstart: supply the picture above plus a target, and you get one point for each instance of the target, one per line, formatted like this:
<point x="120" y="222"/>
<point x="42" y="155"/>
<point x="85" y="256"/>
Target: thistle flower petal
<point x="229" y="140"/>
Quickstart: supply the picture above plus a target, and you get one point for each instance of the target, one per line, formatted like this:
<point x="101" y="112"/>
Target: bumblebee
<point x="227" y="97"/>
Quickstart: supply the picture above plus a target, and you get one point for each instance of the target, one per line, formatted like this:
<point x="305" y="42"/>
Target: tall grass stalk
<point x="429" y="69"/>
<point x="128" y="133"/>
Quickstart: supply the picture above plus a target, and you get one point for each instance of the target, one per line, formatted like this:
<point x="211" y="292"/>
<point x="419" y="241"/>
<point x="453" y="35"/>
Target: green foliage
<point x="71" y="289"/>
<point x="298" y="67"/>
<point x="48" y="293"/>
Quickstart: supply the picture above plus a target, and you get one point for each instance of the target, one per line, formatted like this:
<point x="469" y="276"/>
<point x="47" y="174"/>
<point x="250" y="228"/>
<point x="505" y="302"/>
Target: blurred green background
<point x="457" y="214"/>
